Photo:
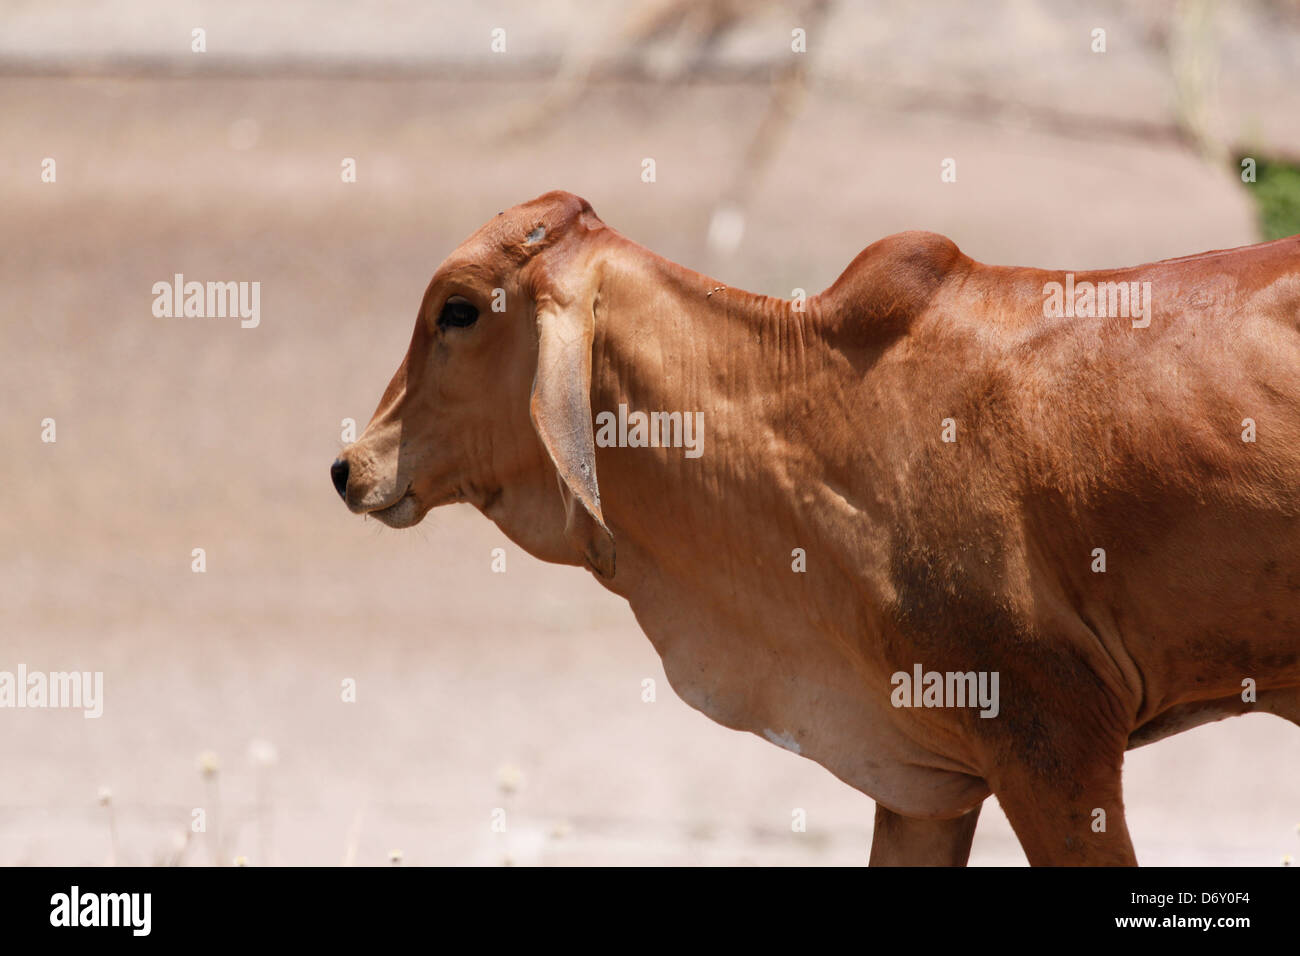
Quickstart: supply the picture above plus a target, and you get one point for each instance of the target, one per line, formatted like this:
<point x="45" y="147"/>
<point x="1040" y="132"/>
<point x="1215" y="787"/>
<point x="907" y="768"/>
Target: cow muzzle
<point x="392" y="503"/>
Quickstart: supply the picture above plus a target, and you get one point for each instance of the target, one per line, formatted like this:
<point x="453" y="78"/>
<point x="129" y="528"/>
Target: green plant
<point x="1276" y="191"/>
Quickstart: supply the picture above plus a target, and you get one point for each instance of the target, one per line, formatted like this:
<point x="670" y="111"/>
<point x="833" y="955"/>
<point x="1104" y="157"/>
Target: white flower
<point x="262" y="753"/>
<point x="208" y="764"/>
<point x="509" y="778"/>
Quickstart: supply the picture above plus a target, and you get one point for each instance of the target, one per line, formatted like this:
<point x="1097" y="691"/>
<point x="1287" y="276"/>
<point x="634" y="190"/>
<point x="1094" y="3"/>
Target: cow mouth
<point x="408" y="511"/>
<point x="405" y="512"/>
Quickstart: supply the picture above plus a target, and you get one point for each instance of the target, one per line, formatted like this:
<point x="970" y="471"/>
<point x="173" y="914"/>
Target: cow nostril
<point x="339" y="475"/>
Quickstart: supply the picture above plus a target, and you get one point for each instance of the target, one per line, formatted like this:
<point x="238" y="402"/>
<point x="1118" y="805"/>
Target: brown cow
<point x="947" y="529"/>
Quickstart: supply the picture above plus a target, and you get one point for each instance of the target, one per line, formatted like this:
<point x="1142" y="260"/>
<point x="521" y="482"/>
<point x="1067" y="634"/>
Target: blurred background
<point x="785" y="138"/>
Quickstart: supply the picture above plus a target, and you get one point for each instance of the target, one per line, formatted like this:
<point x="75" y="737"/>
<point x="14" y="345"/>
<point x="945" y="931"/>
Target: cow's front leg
<point x="1061" y="788"/>
<point x="906" y="841"/>
<point x="1059" y="828"/>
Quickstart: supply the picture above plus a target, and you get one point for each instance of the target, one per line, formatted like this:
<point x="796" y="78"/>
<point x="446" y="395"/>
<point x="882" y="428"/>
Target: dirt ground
<point x="175" y="434"/>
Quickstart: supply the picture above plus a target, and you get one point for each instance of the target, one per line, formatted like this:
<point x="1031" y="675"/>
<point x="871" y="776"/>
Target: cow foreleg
<point x="905" y="841"/>
<point x="1073" y="820"/>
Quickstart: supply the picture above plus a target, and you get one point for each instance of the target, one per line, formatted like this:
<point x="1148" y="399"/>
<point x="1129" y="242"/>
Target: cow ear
<point x="561" y="414"/>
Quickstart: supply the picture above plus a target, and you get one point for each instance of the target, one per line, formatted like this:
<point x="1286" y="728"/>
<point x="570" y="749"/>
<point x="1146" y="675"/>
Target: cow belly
<point x="1284" y="702"/>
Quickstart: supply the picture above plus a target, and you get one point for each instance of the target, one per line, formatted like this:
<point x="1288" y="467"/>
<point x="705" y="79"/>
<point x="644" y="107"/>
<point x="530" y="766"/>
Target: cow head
<point x="491" y="404"/>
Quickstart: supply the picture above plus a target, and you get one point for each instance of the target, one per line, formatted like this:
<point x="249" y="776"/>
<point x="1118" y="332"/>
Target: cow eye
<point x="457" y="313"/>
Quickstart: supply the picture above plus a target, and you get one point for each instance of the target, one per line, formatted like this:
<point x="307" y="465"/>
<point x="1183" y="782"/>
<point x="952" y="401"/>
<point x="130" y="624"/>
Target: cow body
<point x="829" y="538"/>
